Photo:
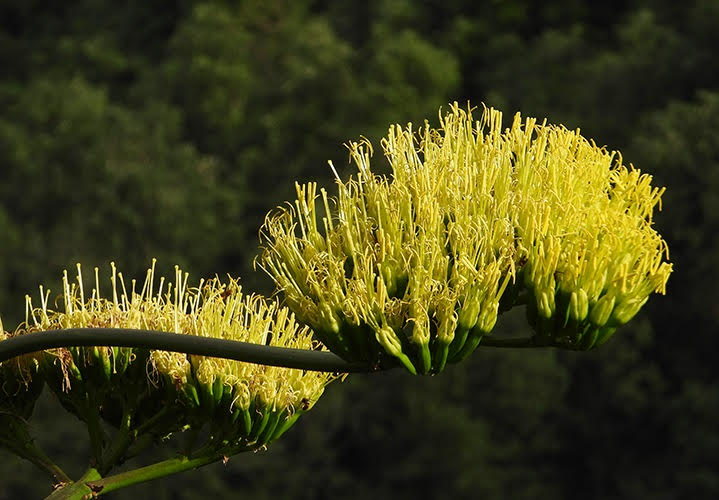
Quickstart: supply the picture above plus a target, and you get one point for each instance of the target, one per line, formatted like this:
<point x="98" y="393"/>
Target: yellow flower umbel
<point x="418" y="266"/>
<point x="242" y="403"/>
<point x="584" y="235"/>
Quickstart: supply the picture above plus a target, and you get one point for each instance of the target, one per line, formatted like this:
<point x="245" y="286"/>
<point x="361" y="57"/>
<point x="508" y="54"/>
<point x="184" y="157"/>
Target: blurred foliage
<point x="139" y="130"/>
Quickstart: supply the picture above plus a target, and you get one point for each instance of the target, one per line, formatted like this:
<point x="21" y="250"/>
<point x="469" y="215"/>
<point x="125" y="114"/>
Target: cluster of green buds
<point x="415" y="268"/>
<point x="150" y="394"/>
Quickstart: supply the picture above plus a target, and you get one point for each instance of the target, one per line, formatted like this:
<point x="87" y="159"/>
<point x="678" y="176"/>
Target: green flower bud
<point x="487" y="318"/>
<point x="578" y="305"/>
<point x="545" y="304"/>
<point x="602" y="310"/>
<point x="420" y="331"/>
<point x="625" y="310"/>
<point x="101" y="356"/>
<point x="329" y="322"/>
<point x="469" y="313"/>
<point x="388" y="339"/>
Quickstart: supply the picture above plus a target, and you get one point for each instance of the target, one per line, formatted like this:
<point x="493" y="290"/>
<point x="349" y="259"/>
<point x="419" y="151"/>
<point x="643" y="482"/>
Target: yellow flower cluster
<point x="418" y="266"/>
<point x="584" y="228"/>
<point x="243" y="402"/>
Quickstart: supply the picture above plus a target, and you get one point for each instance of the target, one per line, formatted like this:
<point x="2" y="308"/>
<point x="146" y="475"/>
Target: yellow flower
<point x="242" y="402"/>
<point x="414" y="266"/>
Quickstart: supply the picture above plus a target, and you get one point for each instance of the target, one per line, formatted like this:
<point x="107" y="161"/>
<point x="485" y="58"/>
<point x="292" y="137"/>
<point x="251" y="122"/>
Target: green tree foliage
<point x="681" y="141"/>
<point x="81" y="173"/>
<point x="273" y="90"/>
<point x="681" y="144"/>
<point x="137" y="130"/>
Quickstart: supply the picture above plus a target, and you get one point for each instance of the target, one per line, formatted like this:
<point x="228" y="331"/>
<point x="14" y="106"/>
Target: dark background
<point x="132" y="130"/>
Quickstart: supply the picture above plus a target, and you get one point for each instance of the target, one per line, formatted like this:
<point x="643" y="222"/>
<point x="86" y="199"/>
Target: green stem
<point x="37" y="457"/>
<point x="121" y="442"/>
<point x="191" y="344"/>
<point x="158" y="470"/>
<point x="77" y="490"/>
<point x="150" y="422"/>
<point x="94" y="428"/>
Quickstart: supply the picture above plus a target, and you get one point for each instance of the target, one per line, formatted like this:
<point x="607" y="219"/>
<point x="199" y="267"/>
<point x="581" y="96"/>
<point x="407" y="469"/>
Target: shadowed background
<point x="169" y="130"/>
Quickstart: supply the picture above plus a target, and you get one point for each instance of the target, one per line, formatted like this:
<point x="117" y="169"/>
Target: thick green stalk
<point x="77" y="490"/>
<point x="191" y="344"/>
<point x="121" y="442"/>
<point x="160" y="469"/>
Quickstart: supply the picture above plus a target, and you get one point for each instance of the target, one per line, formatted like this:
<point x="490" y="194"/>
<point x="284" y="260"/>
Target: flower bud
<point x="328" y="319"/>
<point x="487" y="318"/>
<point x="578" y="305"/>
<point x="388" y="339"/>
<point x="625" y="310"/>
<point x="545" y="304"/>
<point x="602" y="310"/>
<point x="468" y="314"/>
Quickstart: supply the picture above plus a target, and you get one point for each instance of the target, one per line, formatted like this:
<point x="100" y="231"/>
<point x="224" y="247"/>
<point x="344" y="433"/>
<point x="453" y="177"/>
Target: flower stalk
<point x="410" y="270"/>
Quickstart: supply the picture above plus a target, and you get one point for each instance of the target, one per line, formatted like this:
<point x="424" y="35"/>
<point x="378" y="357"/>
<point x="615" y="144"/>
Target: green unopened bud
<point x="420" y="336"/>
<point x="545" y="304"/>
<point x="73" y="372"/>
<point x="467" y="316"/>
<point x="420" y="331"/>
<point x="446" y="328"/>
<point x="388" y="339"/>
<point x="328" y="319"/>
<point x="189" y="391"/>
<point x="487" y="318"/>
<point x="528" y="275"/>
<point x="625" y="310"/>
<point x="285" y="424"/>
<point x="102" y="358"/>
<point x="602" y="310"/>
<point x="578" y="305"/>
<point x="218" y="390"/>
<point x="259" y="424"/>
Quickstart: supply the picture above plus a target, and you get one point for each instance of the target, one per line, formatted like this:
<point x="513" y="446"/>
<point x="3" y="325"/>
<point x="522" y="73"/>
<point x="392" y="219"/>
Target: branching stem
<point x="204" y="346"/>
<point x="191" y="344"/>
<point x="161" y="469"/>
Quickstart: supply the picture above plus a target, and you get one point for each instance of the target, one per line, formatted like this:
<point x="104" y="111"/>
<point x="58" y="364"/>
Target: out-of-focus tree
<point x="602" y="80"/>
<point x="681" y="144"/>
<point x="274" y="91"/>
<point x="81" y="176"/>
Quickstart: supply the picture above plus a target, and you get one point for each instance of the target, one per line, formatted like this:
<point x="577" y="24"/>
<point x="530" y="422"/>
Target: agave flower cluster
<point x="473" y="220"/>
<point x="160" y="392"/>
